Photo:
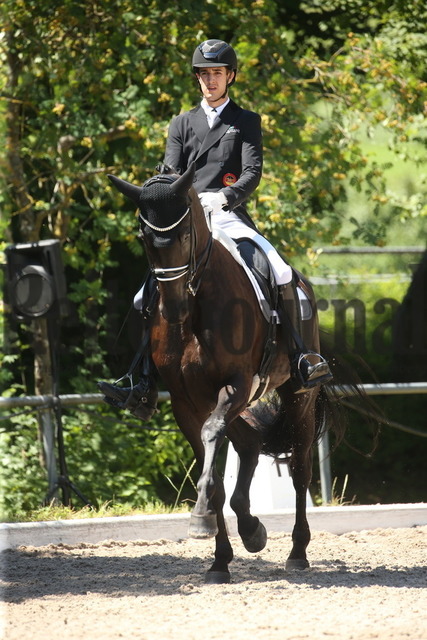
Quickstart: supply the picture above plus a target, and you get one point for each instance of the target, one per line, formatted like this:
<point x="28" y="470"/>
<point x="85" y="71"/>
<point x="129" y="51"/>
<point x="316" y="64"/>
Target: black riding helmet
<point x="215" y="53"/>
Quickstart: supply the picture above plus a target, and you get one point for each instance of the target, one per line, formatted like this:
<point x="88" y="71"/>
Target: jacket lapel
<point x="199" y="123"/>
<point x="228" y="116"/>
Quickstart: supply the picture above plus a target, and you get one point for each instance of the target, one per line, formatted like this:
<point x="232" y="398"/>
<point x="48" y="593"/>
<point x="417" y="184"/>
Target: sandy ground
<point x="370" y="584"/>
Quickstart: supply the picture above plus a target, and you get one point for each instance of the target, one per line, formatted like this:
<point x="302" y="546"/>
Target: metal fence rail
<point x="386" y="389"/>
<point x="370" y="250"/>
<point x="51" y="402"/>
<point x="66" y="400"/>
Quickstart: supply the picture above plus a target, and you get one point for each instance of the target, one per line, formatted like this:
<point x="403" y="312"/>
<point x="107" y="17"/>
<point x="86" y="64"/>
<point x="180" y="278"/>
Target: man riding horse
<point x="224" y="142"/>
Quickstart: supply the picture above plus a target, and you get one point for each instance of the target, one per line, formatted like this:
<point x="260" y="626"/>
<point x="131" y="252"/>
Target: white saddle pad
<point x="230" y="245"/>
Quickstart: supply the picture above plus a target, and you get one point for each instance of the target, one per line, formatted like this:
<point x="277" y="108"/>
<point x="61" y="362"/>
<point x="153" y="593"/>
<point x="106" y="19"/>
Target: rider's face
<point x="213" y="83"/>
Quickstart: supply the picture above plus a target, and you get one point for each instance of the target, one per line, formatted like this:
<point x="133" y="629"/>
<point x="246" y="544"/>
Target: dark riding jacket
<point x="228" y="156"/>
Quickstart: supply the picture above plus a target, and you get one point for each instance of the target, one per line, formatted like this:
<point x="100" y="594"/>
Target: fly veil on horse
<point x="209" y="342"/>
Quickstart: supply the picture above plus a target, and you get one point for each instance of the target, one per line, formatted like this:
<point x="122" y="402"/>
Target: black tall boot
<point x="141" y="399"/>
<point x="308" y="368"/>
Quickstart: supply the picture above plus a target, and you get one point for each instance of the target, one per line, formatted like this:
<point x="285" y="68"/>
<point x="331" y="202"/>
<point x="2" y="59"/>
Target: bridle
<point x="169" y="274"/>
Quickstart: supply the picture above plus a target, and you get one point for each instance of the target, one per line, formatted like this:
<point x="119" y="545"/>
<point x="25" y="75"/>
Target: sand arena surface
<point x="361" y="585"/>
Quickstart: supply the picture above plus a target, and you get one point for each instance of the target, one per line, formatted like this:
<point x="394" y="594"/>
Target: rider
<point x="225" y="142"/>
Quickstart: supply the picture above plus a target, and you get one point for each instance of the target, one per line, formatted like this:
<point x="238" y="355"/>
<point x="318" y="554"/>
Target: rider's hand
<point x="213" y="202"/>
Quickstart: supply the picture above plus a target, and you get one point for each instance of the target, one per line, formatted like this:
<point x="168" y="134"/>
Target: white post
<point x="271" y="489"/>
<point x="325" y="468"/>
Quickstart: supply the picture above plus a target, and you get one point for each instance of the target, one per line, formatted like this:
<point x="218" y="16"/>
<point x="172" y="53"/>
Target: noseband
<point x="171" y="273"/>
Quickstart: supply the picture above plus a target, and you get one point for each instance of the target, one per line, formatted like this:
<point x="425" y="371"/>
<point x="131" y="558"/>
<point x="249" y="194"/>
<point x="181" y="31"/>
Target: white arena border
<point x="337" y="520"/>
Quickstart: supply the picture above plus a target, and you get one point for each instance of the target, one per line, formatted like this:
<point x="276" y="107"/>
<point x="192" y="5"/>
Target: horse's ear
<point x="182" y="186"/>
<point x="130" y="190"/>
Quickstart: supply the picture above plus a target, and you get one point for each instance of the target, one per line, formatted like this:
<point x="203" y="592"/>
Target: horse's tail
<point x="272" y="421"/>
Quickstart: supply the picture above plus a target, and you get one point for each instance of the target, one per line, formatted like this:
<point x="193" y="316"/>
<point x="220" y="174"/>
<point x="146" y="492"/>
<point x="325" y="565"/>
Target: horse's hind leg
<point x="301" y="476"/>
<point x="247" y="444"/>
<point x="301" y="414"/>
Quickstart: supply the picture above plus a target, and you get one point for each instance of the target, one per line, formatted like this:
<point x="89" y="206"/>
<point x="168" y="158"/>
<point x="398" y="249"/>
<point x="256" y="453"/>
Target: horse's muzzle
<point x="174" y="312"/>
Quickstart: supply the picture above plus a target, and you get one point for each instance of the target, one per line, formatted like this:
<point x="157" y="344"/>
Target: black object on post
<point x="36" y="290"/>
<point x="35" y="278"/>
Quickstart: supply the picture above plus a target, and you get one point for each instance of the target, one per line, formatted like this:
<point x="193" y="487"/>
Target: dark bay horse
<point x="208" y="338"/>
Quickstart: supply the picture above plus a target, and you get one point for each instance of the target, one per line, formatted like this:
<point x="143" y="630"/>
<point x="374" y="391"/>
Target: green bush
<point x="22" y="479"/>
<point x="110" y="458"/>
<point x="356" y="311"/>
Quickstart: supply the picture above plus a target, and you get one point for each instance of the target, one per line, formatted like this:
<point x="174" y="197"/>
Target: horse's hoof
<point x="257" y="541"/>
<point x="294" y="564"/>
<point x="203" y="526"/>
<point x="217" y="577"/>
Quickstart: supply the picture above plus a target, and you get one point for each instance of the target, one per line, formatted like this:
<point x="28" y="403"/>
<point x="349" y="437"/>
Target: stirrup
<point x="140" y="400"/>
<point x="305" y="376"/>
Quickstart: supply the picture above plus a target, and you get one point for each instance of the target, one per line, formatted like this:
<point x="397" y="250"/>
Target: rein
<point x="206" y="254"/>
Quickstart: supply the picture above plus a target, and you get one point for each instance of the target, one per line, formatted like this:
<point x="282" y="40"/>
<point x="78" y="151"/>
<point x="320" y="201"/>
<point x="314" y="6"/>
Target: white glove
<point x="213" y="201"/>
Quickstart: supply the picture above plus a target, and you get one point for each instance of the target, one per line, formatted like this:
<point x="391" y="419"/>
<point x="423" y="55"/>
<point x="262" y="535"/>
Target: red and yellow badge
<point x="228" y="179"/>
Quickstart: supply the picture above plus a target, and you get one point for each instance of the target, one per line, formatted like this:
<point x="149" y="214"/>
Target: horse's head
<point x="165" y="203"/>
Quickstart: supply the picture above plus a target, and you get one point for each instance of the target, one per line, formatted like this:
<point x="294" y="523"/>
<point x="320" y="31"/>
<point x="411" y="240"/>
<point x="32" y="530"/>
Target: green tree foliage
<point x="89" y="88"/>
<point x="93" y="88"/>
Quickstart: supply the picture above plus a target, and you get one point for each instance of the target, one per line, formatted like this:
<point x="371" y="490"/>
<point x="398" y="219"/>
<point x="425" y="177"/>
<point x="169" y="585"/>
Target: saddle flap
<point x="257" y="261"/>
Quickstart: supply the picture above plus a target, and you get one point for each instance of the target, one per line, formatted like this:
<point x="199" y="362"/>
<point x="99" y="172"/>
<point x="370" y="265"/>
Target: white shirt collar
<point x="210" y="113"/>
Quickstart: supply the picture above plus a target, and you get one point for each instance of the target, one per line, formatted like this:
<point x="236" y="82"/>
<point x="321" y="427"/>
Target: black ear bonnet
<point x="161" y="208"/>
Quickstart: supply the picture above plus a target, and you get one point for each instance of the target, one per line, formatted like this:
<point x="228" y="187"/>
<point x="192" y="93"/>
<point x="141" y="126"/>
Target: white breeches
<point x="230" y="224"/>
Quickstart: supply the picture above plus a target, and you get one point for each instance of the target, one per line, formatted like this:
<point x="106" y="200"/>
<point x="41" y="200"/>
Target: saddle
<point x="258" y="264"/>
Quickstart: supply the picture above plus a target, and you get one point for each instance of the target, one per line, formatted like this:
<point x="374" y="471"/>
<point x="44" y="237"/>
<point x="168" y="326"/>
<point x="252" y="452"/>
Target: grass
<point x="179" y="489"/>
<point x="338" y="497"/>
<point x="107" y="510"/>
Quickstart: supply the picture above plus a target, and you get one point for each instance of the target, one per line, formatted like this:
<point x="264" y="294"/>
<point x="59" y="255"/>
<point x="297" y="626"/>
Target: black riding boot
<point x="140" y="400"/>
<point x="308" y="368"/>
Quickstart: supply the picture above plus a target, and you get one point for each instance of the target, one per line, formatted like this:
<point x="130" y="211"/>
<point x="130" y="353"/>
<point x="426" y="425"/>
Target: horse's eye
<point x="185" y="235"/>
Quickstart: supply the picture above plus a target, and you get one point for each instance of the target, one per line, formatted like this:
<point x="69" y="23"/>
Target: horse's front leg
<point x="219" y="572"/>
<point x="190" y="426"/>
<point x="210" y="490"/>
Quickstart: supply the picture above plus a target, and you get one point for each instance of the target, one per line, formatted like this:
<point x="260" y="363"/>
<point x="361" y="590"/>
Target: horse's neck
<point x="203" y="233"/>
